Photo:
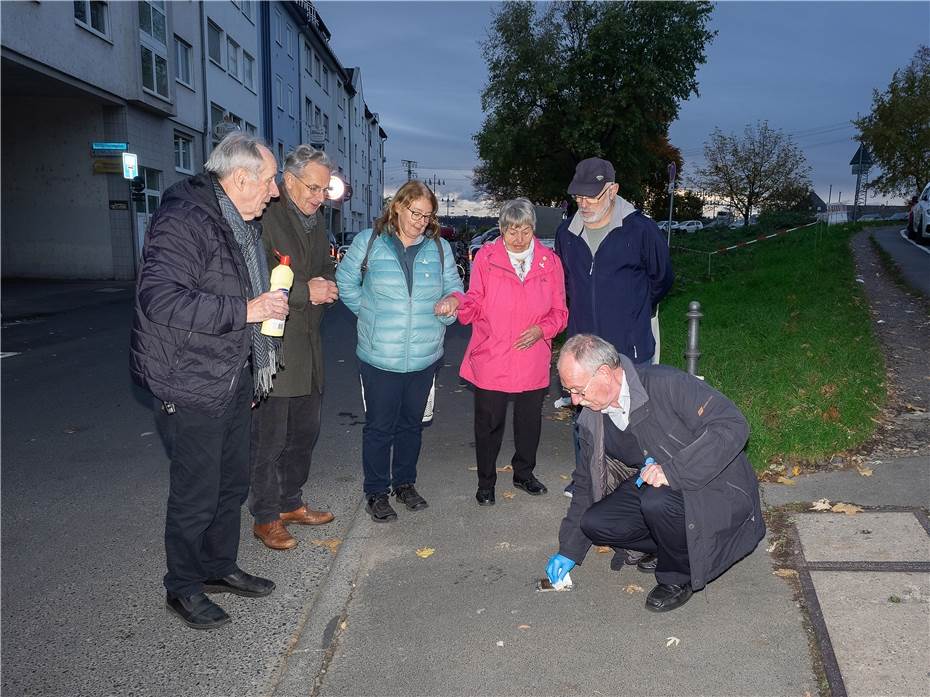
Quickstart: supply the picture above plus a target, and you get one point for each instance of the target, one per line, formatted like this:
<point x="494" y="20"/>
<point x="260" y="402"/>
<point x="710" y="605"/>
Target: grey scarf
<point x="265" y="349"/>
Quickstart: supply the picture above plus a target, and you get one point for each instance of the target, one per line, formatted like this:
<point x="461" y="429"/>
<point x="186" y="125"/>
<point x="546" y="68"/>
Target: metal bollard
<point x="694" y="319"/>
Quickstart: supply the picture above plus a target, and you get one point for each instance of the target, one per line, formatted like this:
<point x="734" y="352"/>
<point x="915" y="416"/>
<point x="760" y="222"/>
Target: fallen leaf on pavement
<point x="771" y="547"/>
<point x="473" y="469"/>
<point x="507" y="494"/>
<point x="503" y="545"/>
<point x="785" y="573"/>
<point x="633" y="588"/>
<point x="564" y="477"/>
<point x="865" y="471"/>
<point x="847" y="508"/>
<point x="821" y="505"/>
<point x="331" y="543"/>
<point x="523" y="626"/>
<point x="343" y="625"/>
<point x="505" y="468"/>
<point x="672" y="641"/>
<point x="425" y="552"/>
<point x="795" y="471"/>
<point x="601" y="549"/>
<point x="500" y="643"/>
<point x="784" y="480"/>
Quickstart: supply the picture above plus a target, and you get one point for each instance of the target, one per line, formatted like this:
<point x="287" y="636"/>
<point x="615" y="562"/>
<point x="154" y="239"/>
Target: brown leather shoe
<point x="274" y="535"/>
<point x="307" y="516"/>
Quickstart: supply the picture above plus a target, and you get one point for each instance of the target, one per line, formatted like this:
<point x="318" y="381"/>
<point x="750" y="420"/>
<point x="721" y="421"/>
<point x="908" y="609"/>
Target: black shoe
<point x="485" y="497"/>
<point x="380" y="509"/>
<point x="408" y="496"/>
<point x="647" y="564"/>
<point x="197" y="611"/>
<point x="531" y="486"/>
<point x="240" y="583"/>
<point x="667" y="596"/>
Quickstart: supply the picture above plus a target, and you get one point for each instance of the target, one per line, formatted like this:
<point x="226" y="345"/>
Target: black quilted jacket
<point x="189" y="337"/>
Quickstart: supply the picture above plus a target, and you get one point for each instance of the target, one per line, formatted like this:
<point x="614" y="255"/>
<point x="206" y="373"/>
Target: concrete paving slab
<point x="901" y="482"/>
<point x="864" y="536"/>
<point x="881" y="645"/>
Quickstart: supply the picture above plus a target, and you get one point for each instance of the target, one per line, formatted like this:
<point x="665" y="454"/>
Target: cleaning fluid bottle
<point x="281" y="279"/>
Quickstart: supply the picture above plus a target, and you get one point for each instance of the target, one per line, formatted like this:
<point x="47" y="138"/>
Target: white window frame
<point x="291" y="102"/>
<point x="279" y="92"/>
<point x="222" y="40"/>
<point x="308" y="56"/>
<point x="278" y="28"/>
<point x="156" y="56"/>
<point x="341" y="138"/>
<point x="247" y="59"/>
<point x="183" y="138"/>
<point x="317" y="68"/>
<point x="105" y="34"/>
<point x="152" y="10"/>
<point x="326" y="126"/>
<point x="325" y="79"/>
<point x="181" y="47"/>
<point x="289" y="34"/>
<point x="232" y="57"/>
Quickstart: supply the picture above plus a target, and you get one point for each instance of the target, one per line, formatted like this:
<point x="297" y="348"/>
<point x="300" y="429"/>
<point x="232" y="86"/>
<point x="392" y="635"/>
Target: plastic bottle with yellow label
<point x="282" y="277"/>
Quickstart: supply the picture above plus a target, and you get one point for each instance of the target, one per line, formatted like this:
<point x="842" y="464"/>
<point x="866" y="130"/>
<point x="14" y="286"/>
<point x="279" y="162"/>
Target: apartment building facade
<point x="168" y="79"/>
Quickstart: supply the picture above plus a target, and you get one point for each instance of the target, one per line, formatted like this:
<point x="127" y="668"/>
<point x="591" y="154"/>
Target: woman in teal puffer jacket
<point x="392" y="283"/>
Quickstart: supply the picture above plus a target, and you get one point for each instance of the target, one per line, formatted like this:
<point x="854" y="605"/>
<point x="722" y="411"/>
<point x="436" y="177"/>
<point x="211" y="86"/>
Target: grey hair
<point x="518" y="212"/>
<point x="304" y="155"/>
<point x="236" y="150"/>
<point x="590" y="352"/>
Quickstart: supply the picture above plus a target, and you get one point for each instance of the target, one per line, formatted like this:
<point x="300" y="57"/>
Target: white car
<point x="690" y="226"/>
<point x="919" y="228"/>
<point x="663" y="225"/>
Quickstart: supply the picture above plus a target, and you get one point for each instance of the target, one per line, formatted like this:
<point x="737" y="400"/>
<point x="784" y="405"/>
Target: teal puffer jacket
<point x="397" y="329"/>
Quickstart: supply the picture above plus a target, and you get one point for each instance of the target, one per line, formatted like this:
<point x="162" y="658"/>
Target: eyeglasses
<point x="590" y="199"/>
<point x="417" y="216"/>
<point x="313" y="188"/>
<point x="580" y="393"/>
<point x="518" y="229"/>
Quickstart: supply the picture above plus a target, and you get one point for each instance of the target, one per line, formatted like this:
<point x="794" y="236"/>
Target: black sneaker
<point x="380" y="509"/>
<point x="531" y="486"/>
<point x="408" y="496"/>
<point x="197" y="611"/>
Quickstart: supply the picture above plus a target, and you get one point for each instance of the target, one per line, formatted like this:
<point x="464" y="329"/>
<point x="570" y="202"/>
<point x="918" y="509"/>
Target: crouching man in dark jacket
<point x="195" y="346"/>
<point x="698" y="508"/>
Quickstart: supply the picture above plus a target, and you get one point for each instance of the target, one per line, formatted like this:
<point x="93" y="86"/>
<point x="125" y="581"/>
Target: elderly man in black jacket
<point x="286" y="425"/>
<point x="698" y="505"/>
<point x="200" y="296"/>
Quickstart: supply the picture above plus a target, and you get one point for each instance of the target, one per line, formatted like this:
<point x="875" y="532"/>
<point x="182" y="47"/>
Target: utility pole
<point x="411" y="167"/>
<point x="448" y="200"/>
<point x="433" y="182"/>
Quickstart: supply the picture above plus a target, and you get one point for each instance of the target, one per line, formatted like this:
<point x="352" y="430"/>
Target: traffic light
<point x="137" y="187"/>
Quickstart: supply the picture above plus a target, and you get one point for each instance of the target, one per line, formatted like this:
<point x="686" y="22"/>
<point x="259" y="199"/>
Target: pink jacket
<point x="499" y="307"/>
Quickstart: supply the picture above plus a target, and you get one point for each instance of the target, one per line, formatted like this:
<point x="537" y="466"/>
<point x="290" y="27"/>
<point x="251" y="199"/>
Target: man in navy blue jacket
<point x="617" y="269"/>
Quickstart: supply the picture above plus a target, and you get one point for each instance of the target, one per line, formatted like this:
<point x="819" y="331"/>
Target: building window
<point x="317" y="117"/>
<point x="248" y="71"/>
<point x="340" y="139"/>
<point x="183" y="148"/>
<point x="291" y="103"/>
<point x="290" y="41"/>
<point x="326" y="79"/>
<point x="232" y="57"/>
<point x="182" y="61"/>
<point x="317" y="67"/>
<point x="326" y="126"/>
<point x="249" y="128"/>
<point x="308" y="112"/>
<point x="279" y="92"/>
<point x="152" y="178"/>
<point x="278" y="28"/>
<point x="152" y="20"/>
<point x="280" y="155"/>
<point x="308" y="59"/>
<point x="92" y="15"/>
<point x="154" y="72"/>
<point x="246" y="7"/>
<point x="215" y="43"/>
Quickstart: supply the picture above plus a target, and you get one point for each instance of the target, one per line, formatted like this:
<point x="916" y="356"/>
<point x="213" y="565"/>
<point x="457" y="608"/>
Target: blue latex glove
<point x="558" y="567"/>
<point x="649" y="461"/>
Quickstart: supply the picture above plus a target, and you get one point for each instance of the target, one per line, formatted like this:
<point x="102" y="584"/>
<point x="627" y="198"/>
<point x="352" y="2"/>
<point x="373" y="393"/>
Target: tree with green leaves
<point x="897" y="131"/>
<point x="752" y="170"/>
<point x="688" y="205"/>
<point x="571" y="80"/>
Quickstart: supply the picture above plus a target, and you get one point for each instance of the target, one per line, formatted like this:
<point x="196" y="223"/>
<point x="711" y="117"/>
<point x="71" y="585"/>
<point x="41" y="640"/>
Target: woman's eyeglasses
<point x="418" y="216"/>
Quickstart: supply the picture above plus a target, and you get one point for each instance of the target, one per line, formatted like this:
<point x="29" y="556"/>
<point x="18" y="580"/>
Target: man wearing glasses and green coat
<point x="285" y="426"/>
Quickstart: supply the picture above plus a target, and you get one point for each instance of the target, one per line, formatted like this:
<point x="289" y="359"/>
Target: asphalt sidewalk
<point x="467" y="620"/>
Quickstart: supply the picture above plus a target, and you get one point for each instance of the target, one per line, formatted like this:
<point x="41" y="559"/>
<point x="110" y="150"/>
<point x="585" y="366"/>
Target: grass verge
<point x="786" y="334"/>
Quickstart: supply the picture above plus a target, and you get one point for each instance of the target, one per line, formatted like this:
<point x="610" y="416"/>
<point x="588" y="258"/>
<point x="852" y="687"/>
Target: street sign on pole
<point x="130" y="165"/>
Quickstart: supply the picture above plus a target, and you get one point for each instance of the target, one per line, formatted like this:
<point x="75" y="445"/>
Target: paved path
<point x="912" y="259"/>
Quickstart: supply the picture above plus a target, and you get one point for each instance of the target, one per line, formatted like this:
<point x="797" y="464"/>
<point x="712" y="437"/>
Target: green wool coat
<point x="283" y="231"/>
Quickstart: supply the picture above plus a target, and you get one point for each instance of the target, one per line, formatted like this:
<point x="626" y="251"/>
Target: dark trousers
<point x="209" y="482"/>
<point x="391" y="438"/>
<point x="490" y="420"/>
<point x="650" y="520"/>
<point x="284" y="432"/>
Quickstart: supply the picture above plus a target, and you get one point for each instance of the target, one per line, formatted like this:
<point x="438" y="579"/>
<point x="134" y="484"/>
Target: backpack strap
<point x="442" y="255"/>
<point x="371" y="242"/>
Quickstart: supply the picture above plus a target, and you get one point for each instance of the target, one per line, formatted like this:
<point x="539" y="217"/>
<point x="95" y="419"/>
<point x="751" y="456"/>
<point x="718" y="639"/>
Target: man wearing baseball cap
<point x="617" y="269"/>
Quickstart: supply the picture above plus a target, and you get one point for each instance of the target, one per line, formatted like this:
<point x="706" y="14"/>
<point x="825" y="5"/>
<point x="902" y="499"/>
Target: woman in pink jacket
<point x="516" y="306"/>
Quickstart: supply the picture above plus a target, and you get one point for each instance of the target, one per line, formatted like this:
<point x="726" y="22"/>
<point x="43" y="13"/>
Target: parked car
<point x="663" y="225"/>
<point x="482" y="239"/>
<point x="691" y="226"/>
<point x="870" y="216"/>
<point x="739" y="222"/>
<point x="920" y="225"/>
<point x="901" y="215"/>
<point x="547" y="242"/>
